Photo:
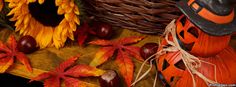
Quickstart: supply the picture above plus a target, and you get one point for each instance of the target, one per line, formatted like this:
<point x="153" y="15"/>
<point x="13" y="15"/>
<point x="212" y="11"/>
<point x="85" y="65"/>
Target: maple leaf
<point x="125" y="64"/>
<point x="69" y="75"/>
<point x="8" y="52"/>
<point x="83" y="32"/>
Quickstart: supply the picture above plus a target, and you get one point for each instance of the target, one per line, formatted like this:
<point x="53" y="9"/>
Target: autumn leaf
<point x="9" y="52"/>
<point x="82" y="33"/>
<point x="123" y="59"/>
<point x="68" y="73"/>
<point x="126" y="66"/>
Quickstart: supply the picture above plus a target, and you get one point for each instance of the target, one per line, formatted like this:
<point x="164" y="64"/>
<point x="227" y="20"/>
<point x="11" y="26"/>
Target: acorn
<point x="27" y="44"/>
<point x="110" y="79"/>
<point x="148" y="50"/>
<point x="102" y="30"/>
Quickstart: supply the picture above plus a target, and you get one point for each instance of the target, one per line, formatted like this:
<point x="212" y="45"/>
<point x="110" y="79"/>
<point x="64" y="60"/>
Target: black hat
<point x="215" y="17"/>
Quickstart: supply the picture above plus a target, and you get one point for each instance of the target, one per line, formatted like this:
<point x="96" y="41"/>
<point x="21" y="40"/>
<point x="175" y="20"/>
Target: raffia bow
<point x="191" y="62"/>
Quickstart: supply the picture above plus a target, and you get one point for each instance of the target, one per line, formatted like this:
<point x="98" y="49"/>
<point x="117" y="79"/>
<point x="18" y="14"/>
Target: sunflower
<point x="50" y="22"/>
<point x="1" y="5"/>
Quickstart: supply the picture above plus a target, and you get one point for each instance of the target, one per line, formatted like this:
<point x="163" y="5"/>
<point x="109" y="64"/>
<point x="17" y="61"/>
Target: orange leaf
<point x="2" y="55"/>
<point x="71" y="82"/>
<point x="130" y="40"/>
<point x="4" y="48"/>
<point x="9" y="50"/>
<point x="11" y="42"/>
<point x="40" y="77"/>
<point x="84" y="71"/>
<point x="102" y="56"/>
<point x="5" y="63"/>
<point x="66" y="64"/>
<point x="101" y="42"/>
<point x="134" y="51"/>
<point x="125" y="64"/>
<point x="52" y="82"/>
<point x="23" y="59"/>
<point x="52" y="78"/>
<point x="126" y="67"/>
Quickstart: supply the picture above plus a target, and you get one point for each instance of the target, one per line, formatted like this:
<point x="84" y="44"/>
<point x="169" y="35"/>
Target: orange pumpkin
<point x="198" y="42"/>
<point x="172" y="70"/>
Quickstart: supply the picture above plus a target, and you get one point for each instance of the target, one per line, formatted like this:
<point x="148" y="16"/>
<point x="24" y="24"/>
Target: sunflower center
<point x="46" y="13"/>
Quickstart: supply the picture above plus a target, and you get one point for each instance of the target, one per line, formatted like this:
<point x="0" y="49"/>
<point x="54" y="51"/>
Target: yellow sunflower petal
<point x="12" y="5"/>
<point x="39" y="38"/>
<point x="14" y="10"/>
<point x="58" y="2"/>
<point x="1" y="5"/>
<point x="71" y="36"/>
<point x="76" y="10"/>
<point x="13" y="1"/>
<point x="77" y="21"/>
<point x="72" y="4"/>
<point x="72" y="26"/>
<point x="30" y="1"/>
<point x="64" y="34"/>
<point x="60" y="11"/>
<point x="19" y="21"/>
<point x="19" y="27"/>
<point x="47" y="36"/>
<point x="65" y="5"/>
<point x="24" y="9"/>
<point x="27" y="19"/>
<point x="14" y="18"/>
<point x="41" y="1"/>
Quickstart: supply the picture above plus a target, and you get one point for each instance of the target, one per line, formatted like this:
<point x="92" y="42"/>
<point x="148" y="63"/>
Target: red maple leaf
<point x="123" y="61"/>
<point x="68" y="73"/>
<point x="8" y="52"/>
<point x="82" y="33"/>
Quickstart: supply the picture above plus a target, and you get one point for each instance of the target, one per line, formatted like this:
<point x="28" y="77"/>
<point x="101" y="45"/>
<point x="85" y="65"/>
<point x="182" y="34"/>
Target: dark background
<point x="8" y="80"/>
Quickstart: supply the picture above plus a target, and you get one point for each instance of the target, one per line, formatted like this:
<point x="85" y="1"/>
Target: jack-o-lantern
<point x="196" y="41"/>
<point x="173" y="72"/>
<point x="204" y="31"/>
<point x="206" y="26"/>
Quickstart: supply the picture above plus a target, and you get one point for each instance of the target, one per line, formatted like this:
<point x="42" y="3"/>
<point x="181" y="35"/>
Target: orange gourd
<point x="197" y="42"/>
<point x="173" y="71"/>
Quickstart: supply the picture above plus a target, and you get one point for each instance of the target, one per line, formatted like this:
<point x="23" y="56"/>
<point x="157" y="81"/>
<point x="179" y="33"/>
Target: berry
<point x="27" y="44"/>
<point x="110" y="79"/>
<point x="148" y="50"/>
<point x="102" y="30"/>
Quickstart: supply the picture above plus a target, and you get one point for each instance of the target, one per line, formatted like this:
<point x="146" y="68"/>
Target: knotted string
<point x="191" y="62"/>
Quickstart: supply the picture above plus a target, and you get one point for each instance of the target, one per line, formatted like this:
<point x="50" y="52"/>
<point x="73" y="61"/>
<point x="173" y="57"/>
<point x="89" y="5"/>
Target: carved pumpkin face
<point x="197" y="42"/>
<point x="173" y="73"/>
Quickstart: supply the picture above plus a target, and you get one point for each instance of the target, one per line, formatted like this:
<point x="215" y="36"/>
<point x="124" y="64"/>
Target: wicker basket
<point x="145" y="16"/>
